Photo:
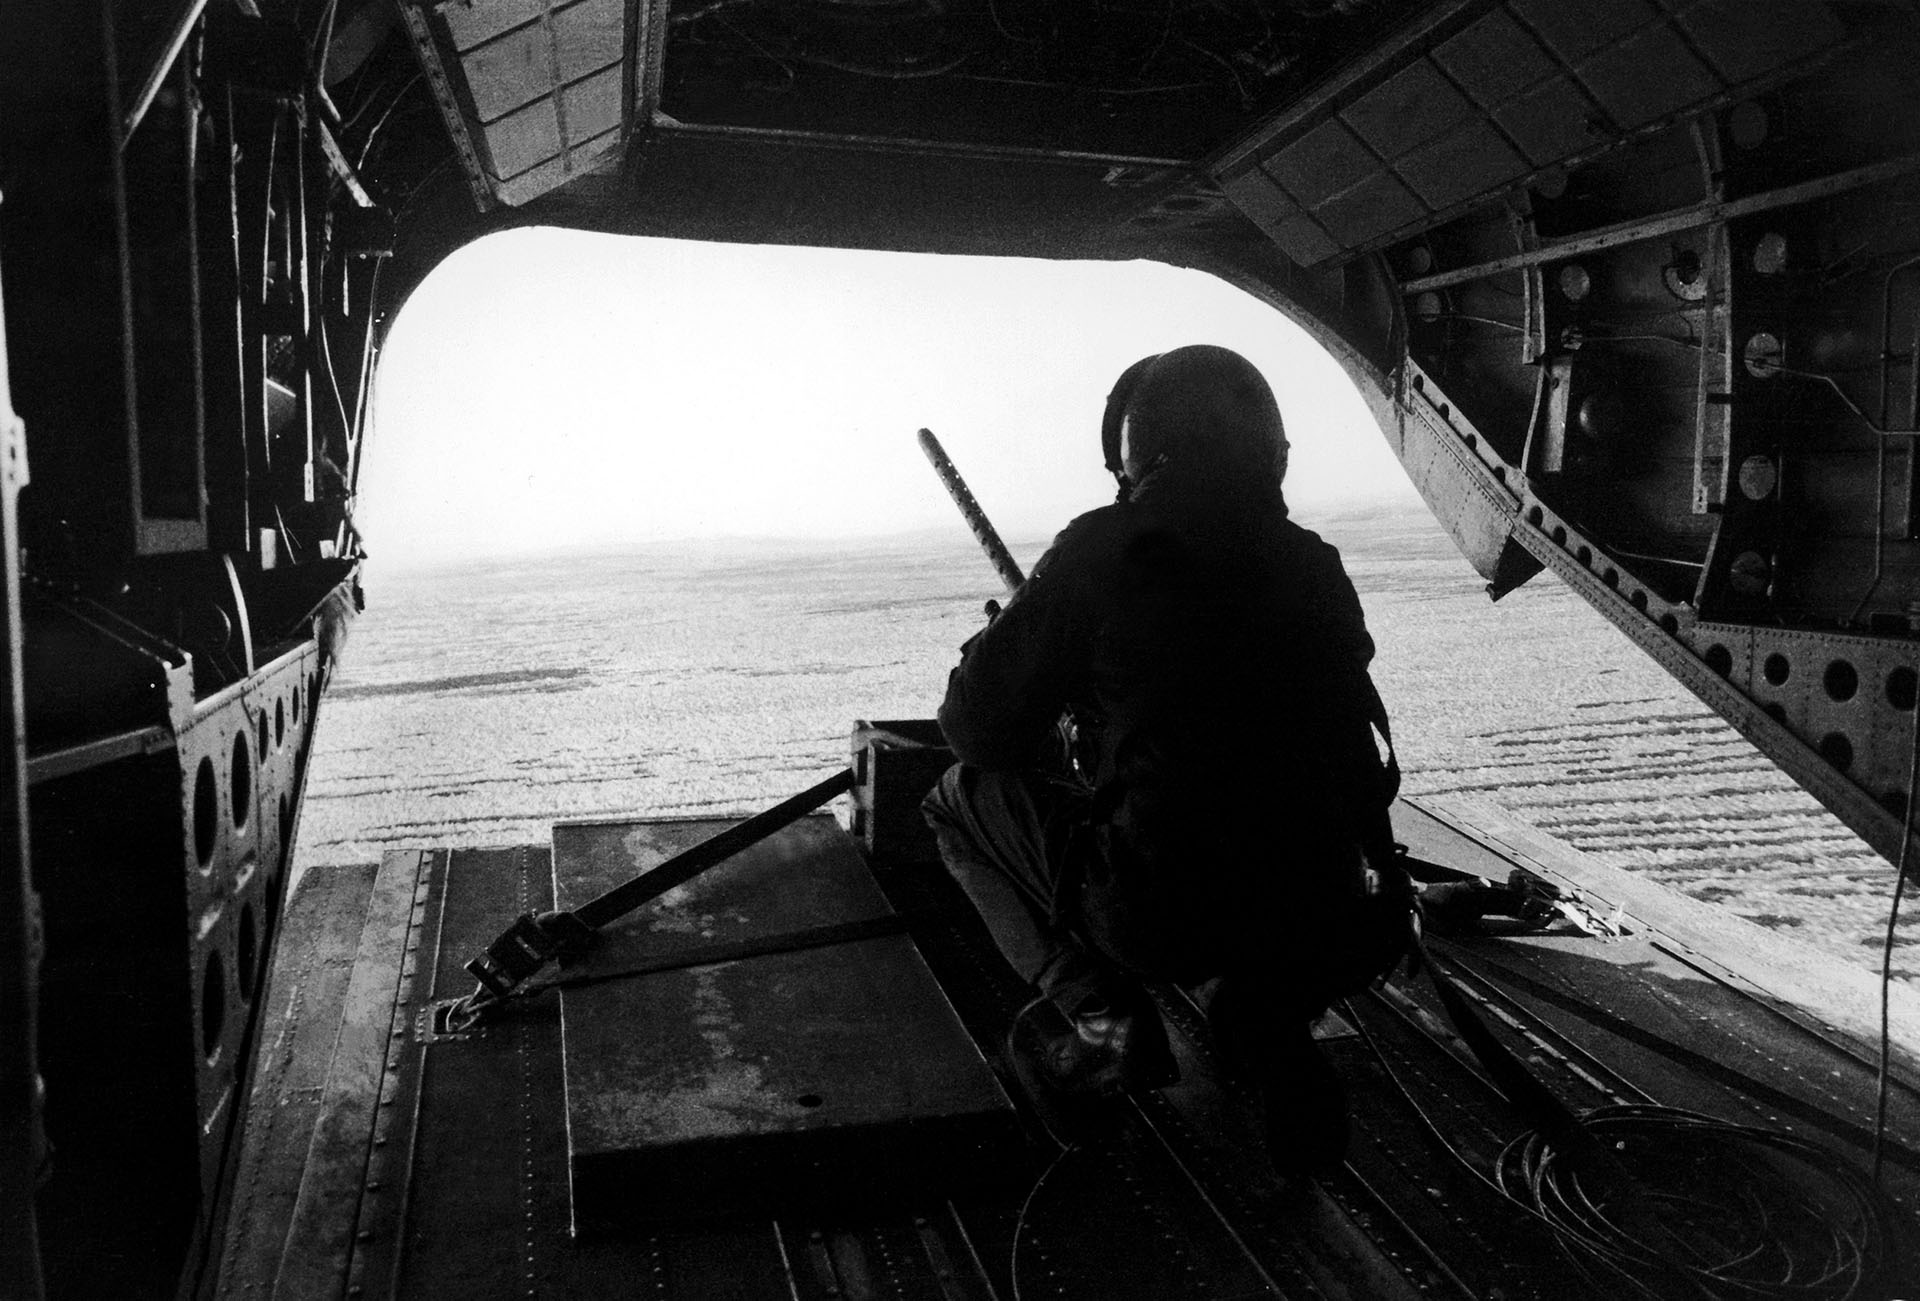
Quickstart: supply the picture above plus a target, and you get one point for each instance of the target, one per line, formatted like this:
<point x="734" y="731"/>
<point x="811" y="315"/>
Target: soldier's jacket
<point x="1214" y="655"/>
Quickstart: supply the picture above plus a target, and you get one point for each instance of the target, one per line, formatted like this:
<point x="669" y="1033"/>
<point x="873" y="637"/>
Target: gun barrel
<point x="997" y="554"/>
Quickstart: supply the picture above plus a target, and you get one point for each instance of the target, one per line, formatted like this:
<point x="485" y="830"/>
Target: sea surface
<point x="477" y="704"/>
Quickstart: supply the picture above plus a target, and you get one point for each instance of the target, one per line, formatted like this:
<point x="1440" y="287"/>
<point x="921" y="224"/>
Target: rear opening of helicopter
<point x="648" y="538"/>
<point x="648" y="525"/>
<point x="648" y="529"/>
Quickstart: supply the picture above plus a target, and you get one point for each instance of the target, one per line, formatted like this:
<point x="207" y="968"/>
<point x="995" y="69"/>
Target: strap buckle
<point x="525" y="947"/>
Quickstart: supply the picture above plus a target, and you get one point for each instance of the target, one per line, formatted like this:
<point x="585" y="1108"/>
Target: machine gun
<point x="997" y="554"/>
<point x="1003" y="564"/>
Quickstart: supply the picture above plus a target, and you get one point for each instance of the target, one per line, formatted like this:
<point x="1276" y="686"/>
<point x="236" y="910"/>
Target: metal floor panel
<point x="800" y="1069"/>
<point x="463" y="1169"/>
<point x="330" y="1119"/>
<point x="488" y="1211"/>
<point x="320" y="936"/>
<point x="1668" y="1016"/>
<point x="832" y="1074"/>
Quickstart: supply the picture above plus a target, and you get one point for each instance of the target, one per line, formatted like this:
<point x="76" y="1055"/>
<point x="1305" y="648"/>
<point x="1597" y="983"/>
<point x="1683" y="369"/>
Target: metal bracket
<point x="527" y="946"/>
<point x="1543" y="903"/>
<point x="1451" y="907"/>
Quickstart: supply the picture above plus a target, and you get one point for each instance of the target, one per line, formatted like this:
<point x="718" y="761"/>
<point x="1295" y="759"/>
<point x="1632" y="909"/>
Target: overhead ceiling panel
<point x="532" y="90"/>
<point x="1475" y="98"/>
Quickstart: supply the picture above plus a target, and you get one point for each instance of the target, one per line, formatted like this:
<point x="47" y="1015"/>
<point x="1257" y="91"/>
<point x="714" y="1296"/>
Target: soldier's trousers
<point x="1014" y="841"/>
<point x="1284" y="917"/>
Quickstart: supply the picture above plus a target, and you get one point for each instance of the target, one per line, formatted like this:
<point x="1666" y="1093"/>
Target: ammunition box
<point x="895" y="763"/>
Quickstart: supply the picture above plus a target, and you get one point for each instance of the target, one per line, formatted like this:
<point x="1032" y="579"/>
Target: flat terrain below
<point x="477" y="704"/>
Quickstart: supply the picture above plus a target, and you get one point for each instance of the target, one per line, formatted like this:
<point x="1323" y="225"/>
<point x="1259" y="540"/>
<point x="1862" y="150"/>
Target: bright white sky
<point x="547" y="389"/>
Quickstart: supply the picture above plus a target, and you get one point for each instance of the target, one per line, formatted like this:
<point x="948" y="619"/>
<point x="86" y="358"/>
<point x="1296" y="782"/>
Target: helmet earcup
<point x="1116" y="415"/>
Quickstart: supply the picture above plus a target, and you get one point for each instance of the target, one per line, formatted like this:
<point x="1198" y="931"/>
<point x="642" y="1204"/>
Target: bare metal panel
<point x="809" y="1072"/>
<point x="831" y="1075"/>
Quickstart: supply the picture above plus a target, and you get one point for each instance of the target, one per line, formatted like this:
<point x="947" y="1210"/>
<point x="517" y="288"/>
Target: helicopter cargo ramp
<point x="785" y="1081"/>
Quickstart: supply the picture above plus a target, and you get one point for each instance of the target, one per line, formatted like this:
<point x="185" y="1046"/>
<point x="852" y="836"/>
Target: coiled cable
<point x="1662" y="1204"/>
<point x="1741" y="1211"/>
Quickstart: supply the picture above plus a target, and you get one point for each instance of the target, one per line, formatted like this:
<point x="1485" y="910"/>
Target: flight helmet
<point x="1203" y="411"/>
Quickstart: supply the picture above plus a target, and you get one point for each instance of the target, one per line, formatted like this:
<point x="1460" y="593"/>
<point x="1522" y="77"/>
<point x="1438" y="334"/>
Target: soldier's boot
<point x="1105" y="1045"/>
<point x="1303" y="1101"/>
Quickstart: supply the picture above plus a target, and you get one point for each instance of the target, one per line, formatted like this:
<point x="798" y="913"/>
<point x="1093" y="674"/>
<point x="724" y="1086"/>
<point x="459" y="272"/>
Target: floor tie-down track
<point x="782" y="1082"/>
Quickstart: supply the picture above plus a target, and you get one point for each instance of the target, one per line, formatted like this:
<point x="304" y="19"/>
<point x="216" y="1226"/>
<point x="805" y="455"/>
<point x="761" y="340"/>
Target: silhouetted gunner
<point x="1230" y="795"/>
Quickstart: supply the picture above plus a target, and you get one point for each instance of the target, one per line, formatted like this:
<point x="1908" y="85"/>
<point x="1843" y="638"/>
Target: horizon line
<point x="426" y="559"/>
